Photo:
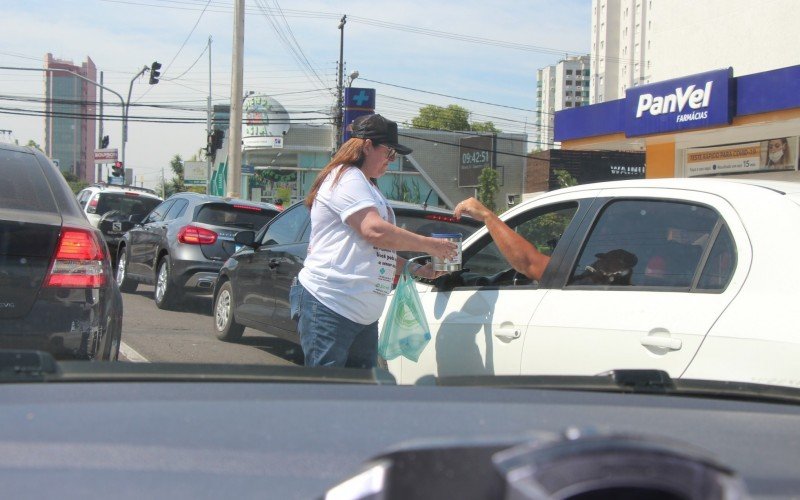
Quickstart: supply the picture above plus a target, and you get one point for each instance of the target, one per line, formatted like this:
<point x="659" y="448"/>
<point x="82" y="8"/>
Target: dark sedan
<point x="57" y="291"/>
<point x="180" y="246"/>
<point x="253" y="285"/>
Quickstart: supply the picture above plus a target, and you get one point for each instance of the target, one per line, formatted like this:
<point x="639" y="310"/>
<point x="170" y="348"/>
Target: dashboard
<point x="290" y="440"/>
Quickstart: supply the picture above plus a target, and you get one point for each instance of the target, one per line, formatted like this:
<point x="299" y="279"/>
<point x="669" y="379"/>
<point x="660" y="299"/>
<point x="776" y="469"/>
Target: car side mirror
<point x="246" y="238"/>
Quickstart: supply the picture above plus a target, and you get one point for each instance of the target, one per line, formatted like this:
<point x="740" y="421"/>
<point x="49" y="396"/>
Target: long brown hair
<point x="350" y="154"/>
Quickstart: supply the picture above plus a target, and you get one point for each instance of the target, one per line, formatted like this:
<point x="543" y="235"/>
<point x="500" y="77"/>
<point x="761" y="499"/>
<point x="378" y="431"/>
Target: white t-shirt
<point x="342" y="270"/>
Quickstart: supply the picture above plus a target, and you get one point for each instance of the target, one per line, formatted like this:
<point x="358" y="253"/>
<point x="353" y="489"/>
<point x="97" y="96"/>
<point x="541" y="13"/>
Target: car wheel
<point x="124" y="283"/>
<point x="224" y="321"/>
<point x="166" y="295"/>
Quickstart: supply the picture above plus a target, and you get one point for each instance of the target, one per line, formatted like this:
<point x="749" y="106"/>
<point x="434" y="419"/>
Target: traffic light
<point x="104" y="142"/>
<point x="154" y="72"/>
<point x="214" y="141"/>
<point x="117" y="170"/>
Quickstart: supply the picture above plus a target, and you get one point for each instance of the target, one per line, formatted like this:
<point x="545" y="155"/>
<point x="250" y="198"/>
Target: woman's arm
<point x="370" y="226"/>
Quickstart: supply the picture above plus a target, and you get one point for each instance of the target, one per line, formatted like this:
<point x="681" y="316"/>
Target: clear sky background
<point x="422" y="52"/>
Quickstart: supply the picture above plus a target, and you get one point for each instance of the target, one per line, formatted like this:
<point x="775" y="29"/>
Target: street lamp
<point x="352" y="77"/>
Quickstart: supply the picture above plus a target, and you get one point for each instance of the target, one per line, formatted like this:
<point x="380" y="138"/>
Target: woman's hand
<point x="442" y="248"/>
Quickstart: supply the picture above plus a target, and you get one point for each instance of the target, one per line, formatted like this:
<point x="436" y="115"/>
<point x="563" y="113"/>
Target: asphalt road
<point x="187" y="336"/>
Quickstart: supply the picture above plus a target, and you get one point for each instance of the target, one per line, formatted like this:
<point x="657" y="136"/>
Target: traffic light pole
<point x="125" y="115"/>
<point x="122" y="101"/>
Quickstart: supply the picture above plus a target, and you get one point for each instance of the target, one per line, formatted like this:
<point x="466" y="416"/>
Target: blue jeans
<point x="327" y="337"/>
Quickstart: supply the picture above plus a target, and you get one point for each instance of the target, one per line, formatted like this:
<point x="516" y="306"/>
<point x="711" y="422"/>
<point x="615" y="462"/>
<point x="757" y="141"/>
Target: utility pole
<point x="99" y="173"/>
<point x="339" y="117"/>
<point x="209" y="130"/>
<point x="125" y="114"/>
<point x="235" y="125"/>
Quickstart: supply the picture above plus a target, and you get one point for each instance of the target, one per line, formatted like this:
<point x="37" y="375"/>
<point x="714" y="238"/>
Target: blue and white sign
<point x="357" y="98"/>
<point x="357" y="102"/>
<point x="696" y="101"/>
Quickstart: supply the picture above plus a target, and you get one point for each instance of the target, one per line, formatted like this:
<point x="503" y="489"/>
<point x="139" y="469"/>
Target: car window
<point x="720" y="264"/>
<point x="125" y="204"/>
<point x="241" y="216"/>
<point x="83" y="197"/>
<point x="30" y="189"/>
<point x="286" y="228"/>
<point x="158" y="213"/>
<point x="177" y="209"/>
<point x="542" y="227"/>
<point x="645" y="243"/>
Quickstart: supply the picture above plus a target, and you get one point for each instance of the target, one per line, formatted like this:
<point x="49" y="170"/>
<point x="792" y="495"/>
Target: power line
<point x="449" y="96"/>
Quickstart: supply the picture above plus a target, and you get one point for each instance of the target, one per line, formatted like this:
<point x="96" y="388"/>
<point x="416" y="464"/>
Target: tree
<point x="33" y="144"/>
<point x="453" y="117"/>
<point x="176" y="164"/>
<point x="74" y="183"/>
<point x="564" y="178"/>
<point x="487" y="187"/>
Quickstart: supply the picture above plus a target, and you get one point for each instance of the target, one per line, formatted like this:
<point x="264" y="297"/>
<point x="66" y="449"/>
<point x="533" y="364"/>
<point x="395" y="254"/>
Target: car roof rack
<point x="124" y="186"/>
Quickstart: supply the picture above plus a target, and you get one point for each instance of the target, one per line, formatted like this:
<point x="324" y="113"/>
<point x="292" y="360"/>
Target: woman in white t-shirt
<point x="351" y="262"/>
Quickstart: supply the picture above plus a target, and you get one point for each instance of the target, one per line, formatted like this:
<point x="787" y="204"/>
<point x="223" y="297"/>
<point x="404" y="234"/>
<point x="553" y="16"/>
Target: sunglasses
<point x="391" y="154"/>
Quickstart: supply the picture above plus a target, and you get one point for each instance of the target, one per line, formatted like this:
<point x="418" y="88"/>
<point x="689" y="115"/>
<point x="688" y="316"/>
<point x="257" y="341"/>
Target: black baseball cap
<point x="380" y="131"/>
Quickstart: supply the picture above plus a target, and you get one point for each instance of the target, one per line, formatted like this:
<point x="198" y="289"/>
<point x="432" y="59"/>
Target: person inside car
<point x="523" y="256"/>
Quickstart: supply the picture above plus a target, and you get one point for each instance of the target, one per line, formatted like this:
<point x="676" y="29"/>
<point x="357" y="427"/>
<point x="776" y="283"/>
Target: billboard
<point x="475" y="154"/>
<point x="265" y="121"/>
<point x="689" y="102"/>
<point x="594" y="166"/>
<point x="195" y="173"/>
<point x="105" y="156"/>
<point x="758" y="156"/>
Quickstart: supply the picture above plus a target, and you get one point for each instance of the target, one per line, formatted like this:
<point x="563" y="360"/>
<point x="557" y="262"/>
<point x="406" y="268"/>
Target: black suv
<point x="180" y="246"/>
<point x="57" y="292"/>
<point x="253" y="285"/>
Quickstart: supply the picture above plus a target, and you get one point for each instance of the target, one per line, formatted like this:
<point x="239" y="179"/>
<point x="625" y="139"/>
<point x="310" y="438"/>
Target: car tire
<point x="224" y="321"/>
<point x="165" y="294"/>
<point x="125" y="283"/>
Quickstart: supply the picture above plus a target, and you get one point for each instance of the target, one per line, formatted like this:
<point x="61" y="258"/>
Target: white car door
<point x="479" y="319"/>
<point x="649" y="311"/>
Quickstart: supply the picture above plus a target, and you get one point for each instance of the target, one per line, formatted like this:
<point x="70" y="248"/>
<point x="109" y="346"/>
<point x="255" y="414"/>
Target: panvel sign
<point x="696" y="101"/>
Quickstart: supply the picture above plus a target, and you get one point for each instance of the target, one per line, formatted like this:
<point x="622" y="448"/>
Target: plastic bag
<point x="405" y="331"/>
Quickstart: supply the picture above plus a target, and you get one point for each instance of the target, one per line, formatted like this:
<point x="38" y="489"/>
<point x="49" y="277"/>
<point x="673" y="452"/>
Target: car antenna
<point x="425" y="203"/>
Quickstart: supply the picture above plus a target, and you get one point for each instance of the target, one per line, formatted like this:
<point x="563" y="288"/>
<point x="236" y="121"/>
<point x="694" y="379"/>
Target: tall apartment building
<point x="69" y="131"/>
<point x="635" y="42"/>
<point x="620" y="51"/>
<point x="563" y="85"/>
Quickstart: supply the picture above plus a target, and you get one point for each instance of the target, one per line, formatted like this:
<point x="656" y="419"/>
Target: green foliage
<point x="176" y="164"/>
<point x="564" y="178"/>
<point x="544" y="231"/>
<point x="487" y="187"/>
<point x="32" y="144"/>
<point x="453" y="117"/>
<point x="405" y="191"/>
<point x="484" y="127"/>
<point x="74" y="183"/>
<point x="285" y="194"/>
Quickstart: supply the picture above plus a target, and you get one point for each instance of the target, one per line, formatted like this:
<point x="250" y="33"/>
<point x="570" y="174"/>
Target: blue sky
<point x="385" y="41"/>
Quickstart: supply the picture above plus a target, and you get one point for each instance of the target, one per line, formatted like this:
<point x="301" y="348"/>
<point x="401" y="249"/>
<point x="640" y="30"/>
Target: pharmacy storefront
<point x="708" y="124"/>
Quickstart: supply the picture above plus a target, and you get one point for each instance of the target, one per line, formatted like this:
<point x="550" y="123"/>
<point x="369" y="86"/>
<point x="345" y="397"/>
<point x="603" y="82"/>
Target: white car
<point x="110" y="207"/>
<point x="696" y="277"/>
